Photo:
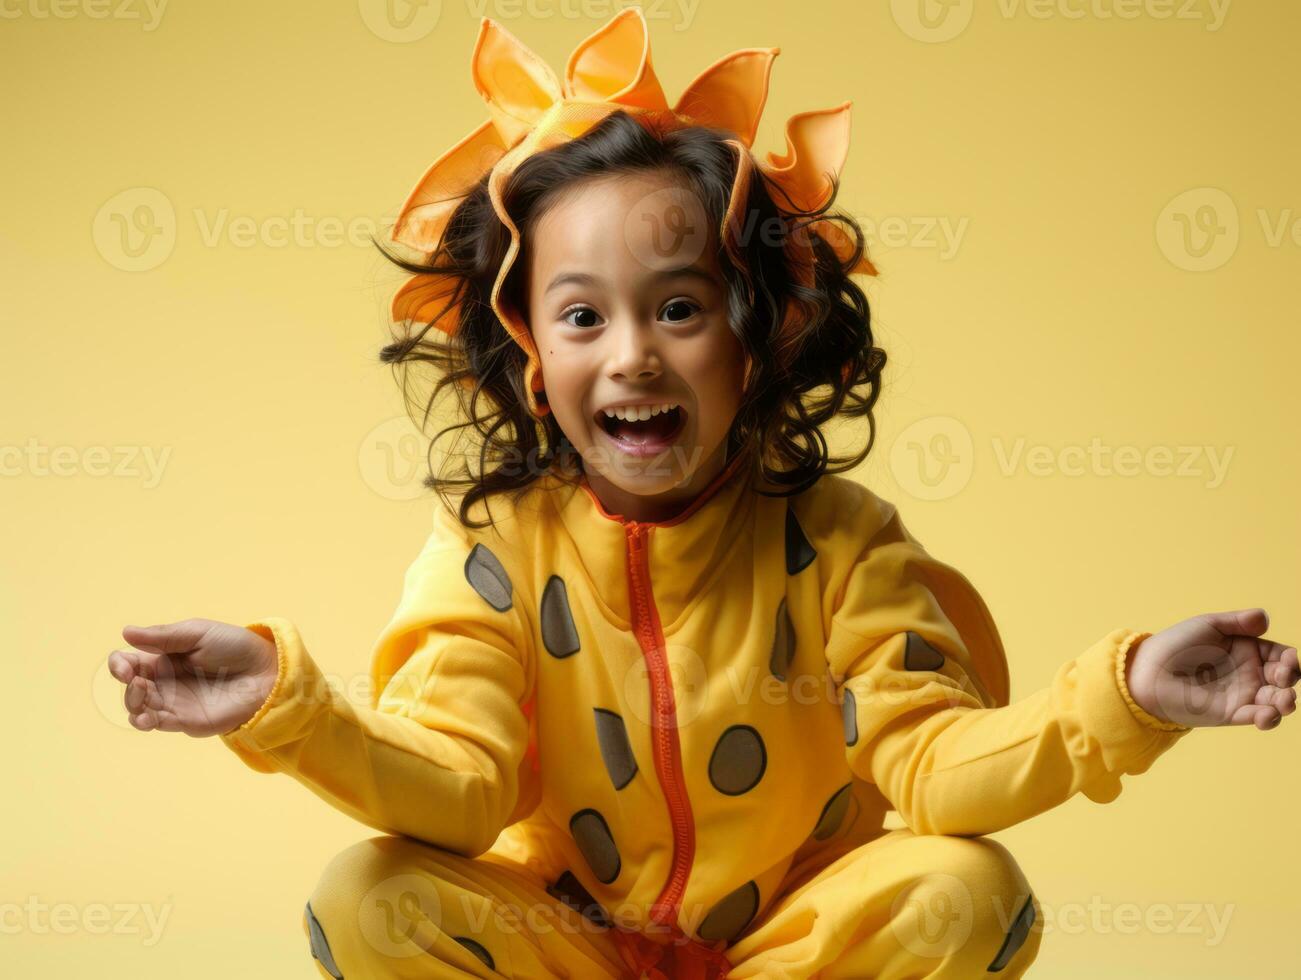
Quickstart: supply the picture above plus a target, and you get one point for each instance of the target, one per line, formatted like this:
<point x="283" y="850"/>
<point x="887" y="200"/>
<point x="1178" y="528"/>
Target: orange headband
<point x="530" y="111"/>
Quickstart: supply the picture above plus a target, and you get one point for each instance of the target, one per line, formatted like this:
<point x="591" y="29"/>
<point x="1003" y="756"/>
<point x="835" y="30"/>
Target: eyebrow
<point x="585" y="279"/>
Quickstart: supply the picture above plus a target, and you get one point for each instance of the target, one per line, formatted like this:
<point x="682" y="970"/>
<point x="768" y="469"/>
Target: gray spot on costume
<point x="738" y="760"/>
<point x="559" y="635"/>
<point x="570" y="890"/>
<point x="799" y="553"/>
<point x="612" y="736"/>
<point x="592" y="835"/>
<point x="729" y="917"/>
<point x="849" y="711"/>
<point x="488" y="578"/>
<point x="920" y="655"/>
<point x="1015" y="937"/>
<point x="321" y="946"/>
<point x="478" y="950"/>
<point x="783" y="644"/>
<point x="833" y="813"/>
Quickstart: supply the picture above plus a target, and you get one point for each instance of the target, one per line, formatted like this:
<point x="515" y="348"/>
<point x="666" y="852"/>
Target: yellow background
<point x="1071" y="309"/>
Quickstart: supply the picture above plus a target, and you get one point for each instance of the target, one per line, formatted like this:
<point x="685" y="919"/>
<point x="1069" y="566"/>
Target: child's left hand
<point x="1215" y="669"/>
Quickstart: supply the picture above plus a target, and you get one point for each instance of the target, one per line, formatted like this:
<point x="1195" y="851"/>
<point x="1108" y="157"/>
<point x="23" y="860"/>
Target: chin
<point x="646" y="478"/>
<point x="666" y="473"/>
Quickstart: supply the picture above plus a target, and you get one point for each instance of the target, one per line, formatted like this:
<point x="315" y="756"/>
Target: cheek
<point x="728" y="361"/>
<point x="719" y="371"/>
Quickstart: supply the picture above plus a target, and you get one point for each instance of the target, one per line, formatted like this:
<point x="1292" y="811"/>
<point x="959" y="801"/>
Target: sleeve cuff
<point x="1123" y="651"/>
<point x="298" y="694"/>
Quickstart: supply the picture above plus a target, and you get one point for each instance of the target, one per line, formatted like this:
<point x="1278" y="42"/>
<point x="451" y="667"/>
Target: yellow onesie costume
<point x="618" y="748"/>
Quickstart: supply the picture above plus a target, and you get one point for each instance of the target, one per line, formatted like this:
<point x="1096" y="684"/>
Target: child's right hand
<point x="197" y="676"/>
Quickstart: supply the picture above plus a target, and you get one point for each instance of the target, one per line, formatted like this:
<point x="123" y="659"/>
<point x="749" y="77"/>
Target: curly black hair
<point x="829" y="368"/>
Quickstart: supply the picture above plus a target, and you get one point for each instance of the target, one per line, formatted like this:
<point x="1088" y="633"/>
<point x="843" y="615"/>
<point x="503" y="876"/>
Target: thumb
<point x="182" y="637"/>
<point x="1240" y="622"/>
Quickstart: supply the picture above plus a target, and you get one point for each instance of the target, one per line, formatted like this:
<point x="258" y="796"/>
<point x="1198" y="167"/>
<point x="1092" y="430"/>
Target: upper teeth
<point x="638" y="413"/>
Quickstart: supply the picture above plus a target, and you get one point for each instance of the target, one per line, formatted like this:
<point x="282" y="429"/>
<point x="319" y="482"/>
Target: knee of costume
<point x="902" y="905"/>
<point x="389" y="906"/>
<point x="970" y="911"/>
<point x="394" y="907"/>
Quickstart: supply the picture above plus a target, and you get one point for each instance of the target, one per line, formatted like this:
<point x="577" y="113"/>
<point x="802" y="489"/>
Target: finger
<point x="125" y="664"/>
<point x="1240" y="622"/>
<point x="1262" y="716"/>
<point x="135" y="696"/>
<point x="1281" y="667"/>
<point x="121" y="666"/>
<point x="1284" y="699"/>
<point x="182" y="637"/>
<point x="142" y="693"/>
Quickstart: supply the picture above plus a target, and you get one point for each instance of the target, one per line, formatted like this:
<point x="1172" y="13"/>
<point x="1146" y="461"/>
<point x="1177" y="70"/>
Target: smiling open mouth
<point x="656" y="432"/>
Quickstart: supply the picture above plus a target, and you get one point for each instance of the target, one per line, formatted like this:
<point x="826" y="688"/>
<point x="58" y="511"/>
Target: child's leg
<point x="902" y="905"/>
<point x="392" y="907"/>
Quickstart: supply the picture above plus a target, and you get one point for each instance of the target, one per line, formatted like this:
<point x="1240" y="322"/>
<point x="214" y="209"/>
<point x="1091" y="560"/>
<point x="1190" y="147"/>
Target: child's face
<point x="628" y="306"/>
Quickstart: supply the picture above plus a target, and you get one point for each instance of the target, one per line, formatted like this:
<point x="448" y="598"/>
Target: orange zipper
<point x="664" y="729"/>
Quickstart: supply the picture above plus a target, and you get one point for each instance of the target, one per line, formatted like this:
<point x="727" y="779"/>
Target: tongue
<point x="653" y="429"/>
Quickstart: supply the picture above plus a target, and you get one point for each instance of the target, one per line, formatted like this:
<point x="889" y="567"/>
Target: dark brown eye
<point x="581" y="311"/>
<point x="685" y="310"/>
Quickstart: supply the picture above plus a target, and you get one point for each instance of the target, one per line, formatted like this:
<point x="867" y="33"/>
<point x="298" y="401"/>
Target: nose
<point x="633" y="353"/>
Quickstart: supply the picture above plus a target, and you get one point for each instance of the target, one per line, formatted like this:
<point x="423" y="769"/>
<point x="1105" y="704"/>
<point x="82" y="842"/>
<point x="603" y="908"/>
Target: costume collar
<point x="683" y="551"/>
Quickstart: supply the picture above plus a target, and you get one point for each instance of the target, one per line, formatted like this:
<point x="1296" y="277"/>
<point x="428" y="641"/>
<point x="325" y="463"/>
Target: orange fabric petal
<point x="517" y="85"/>
<point x="614" y="65"/>
<point x="817" y="144"/>
<point x="730" y="94"/>
<point x="423" y="216"/>
<point x="422" y="298"/>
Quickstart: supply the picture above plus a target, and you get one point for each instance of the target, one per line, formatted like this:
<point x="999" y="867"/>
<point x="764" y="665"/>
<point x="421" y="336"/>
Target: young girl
<point x="655" y="682"/>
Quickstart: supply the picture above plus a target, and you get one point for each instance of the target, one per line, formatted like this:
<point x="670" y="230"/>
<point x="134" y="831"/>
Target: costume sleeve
<point x="922" y="724"/>
<point x="440" y="752"/>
